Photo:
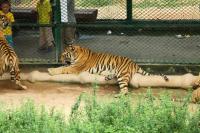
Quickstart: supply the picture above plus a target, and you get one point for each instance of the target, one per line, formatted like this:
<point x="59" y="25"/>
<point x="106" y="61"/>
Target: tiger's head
<point x="72" y="54"/>
<point x="3" y="21"/>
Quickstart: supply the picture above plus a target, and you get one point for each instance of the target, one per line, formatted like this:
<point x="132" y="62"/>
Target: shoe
<point x="53" y="44"/>
<point x="49" y="49"/>
<point x="43" y="47"/>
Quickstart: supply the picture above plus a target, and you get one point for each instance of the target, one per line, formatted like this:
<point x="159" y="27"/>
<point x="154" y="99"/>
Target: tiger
<point x="83" y="59"/>
<point x="8" y="58"/>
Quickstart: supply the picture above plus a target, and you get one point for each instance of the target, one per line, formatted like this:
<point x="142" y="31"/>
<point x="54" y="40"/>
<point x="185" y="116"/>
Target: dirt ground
<point x="59" y="95"/>
<point x="63" y="95"/>
<point x="118" y="11"/>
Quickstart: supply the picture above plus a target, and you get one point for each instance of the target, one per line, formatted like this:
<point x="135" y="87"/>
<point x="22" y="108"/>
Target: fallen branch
<point x="184" y="81"/>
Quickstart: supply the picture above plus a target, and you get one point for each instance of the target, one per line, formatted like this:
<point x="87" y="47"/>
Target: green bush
<point x="149" y="116"/>
<point x="28" y="119"/>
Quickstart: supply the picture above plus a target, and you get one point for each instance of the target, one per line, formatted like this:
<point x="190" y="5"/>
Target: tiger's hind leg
<point x="123" y="82"/>
<point x="15" y="77"/>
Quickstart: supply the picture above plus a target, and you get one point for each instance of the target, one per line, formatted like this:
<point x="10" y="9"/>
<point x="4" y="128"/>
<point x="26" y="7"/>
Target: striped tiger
<point x="83" y="59"/>
<point x="8" y="58"/>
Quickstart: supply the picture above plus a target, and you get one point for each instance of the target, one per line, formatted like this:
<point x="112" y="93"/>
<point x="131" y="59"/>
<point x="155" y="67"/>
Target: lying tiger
<point x="8" y="58"/>
<point x="83" y="59"/>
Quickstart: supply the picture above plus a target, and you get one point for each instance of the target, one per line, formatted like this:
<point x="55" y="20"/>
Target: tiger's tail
<point x="141" y="71"/>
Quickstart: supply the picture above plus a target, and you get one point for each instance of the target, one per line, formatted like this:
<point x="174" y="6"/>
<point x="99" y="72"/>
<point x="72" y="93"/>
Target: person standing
<point x="44" y="11"/>
<point x="5" y="10"/>
<point x="68" y="16"/>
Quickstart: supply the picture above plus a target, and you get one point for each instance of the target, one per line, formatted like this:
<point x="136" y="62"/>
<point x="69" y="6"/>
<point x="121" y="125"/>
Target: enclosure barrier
<point x="147" y="31"/>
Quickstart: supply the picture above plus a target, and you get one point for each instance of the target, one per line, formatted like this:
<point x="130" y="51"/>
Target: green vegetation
<point x="165" y="3"/>
<point x="28" y="119"/>
<point x="149" y="114"/>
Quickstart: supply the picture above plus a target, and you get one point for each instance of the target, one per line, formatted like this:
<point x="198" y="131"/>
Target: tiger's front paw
<point x="53" y="71"/>
<point x="23" y="87"/>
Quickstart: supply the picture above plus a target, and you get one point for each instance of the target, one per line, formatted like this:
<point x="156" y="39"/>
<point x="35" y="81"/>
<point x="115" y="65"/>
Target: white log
<point x="182" y="81"/>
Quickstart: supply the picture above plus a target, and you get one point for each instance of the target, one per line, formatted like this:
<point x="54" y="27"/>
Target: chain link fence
<point x="148" y="31"/>
<point x="166" y="9"/>
<point x="32" y="32"/>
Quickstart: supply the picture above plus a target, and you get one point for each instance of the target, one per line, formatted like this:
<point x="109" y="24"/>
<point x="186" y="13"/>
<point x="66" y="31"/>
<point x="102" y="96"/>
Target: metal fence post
<point x="129" y="10"/>
<point x="57" y="24"/>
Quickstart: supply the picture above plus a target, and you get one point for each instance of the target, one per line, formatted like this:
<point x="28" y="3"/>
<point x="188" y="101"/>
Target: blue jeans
<point x="9" y="40"/>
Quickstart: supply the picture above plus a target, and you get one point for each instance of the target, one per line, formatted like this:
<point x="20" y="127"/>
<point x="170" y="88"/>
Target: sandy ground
<point x="118" y="11"/>
<point x="59" y="95"/>
<point x="62" y="95"/>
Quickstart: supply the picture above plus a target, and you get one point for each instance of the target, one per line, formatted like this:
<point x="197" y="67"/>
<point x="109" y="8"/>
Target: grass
<point x="28" y="119"/>
<point x="149" y="114"/>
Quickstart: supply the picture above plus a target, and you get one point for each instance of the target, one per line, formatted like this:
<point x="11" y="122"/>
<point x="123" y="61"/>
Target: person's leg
<point x="49" y="36"/>
<point x="42" y="39"/>
<point x="49" y="39"/>
<point x="10" y="40"/>
<point x="69" y="35"/>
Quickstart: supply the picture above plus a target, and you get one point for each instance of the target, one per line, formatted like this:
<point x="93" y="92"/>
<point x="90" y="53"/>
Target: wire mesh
<point x="27" y="44"/>
<point x="141" y="44"/>
<point x="166" y="9"/>
<point x="144" y="47"/>
<point x="33" y="38"/>
<point x="108" y="26"/>
<point x="107" y="9"/>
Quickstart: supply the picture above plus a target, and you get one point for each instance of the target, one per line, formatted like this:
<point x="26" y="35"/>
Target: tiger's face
<point x="70" y="54"/>
<point x="3" y="21"/>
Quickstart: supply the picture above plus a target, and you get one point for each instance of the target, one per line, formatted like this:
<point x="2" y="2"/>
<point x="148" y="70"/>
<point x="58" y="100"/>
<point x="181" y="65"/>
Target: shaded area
<point x="27" y="44"/>
<point x="141" y="47"/>
<point x="147" y="48"/>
